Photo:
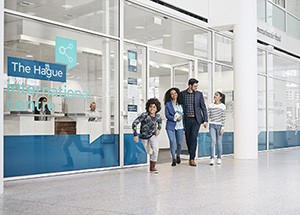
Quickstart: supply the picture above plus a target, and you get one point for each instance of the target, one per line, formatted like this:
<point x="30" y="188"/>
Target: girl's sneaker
<point x="219" y="161"/>
<point x="212" y="161"/>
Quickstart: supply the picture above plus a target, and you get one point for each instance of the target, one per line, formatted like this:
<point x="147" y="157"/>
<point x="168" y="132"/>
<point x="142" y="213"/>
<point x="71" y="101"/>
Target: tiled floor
<point x="268" y="185"/>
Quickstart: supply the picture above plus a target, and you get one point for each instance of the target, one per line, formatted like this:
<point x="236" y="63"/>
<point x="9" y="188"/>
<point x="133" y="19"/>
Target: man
<point x="92" y="112"/>
<point x="195" y="114"/>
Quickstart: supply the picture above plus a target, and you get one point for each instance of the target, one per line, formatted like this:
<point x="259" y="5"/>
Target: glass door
<point x="166" y="71"/>
<point x="134" y="100"/>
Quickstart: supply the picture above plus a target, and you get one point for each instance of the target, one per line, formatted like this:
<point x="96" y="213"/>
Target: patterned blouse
<point x="148" y="125"/>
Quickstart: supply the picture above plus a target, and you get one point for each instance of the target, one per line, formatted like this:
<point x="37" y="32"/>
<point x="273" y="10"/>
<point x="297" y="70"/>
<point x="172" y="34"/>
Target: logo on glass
<point x="66" y="51"/>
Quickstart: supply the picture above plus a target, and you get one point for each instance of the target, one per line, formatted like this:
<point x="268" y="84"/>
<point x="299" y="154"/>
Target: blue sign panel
<point x="24" y="68"/>
<point x="66" y="51"/>
<point x="132" y="61"/>
<point x="132" y="108"/>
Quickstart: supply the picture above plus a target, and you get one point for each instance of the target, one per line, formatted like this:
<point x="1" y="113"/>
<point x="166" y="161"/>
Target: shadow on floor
<point x="164" y="156"/>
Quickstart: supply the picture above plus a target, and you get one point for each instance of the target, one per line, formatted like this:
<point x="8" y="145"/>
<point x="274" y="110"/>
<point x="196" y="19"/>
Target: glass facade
<point x="71" y="94"/>
<point x="101" y="16"/>
<point x="276" y="16"/>
<point x="224" y="50"/>
<point x="283" y="15"/>
<point x="293" y="26"/>
<point x="159" y="30"/>
<point x="62" y="120"/>
<point x="283" y="114"/>
<point x="278" y="100"/>
<point x="134" y="90"/>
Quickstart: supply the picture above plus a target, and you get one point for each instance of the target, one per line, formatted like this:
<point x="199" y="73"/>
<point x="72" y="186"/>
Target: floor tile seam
<point x="51" y="204"/>
<point x="23" y="213"/>
<point x="14" y="210"/>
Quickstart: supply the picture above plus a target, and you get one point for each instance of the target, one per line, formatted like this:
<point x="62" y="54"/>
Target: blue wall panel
<point x="37" y="154"/>
<point x="204" y="144"/>
<point x="283" y="139"/>
<point x="134" y="153"/>
<point x="262" y="141"/>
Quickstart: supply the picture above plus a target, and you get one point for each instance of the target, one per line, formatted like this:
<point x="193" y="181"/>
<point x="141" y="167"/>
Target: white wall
<point x="222" y="14"/>
<point x="287" y="43"/>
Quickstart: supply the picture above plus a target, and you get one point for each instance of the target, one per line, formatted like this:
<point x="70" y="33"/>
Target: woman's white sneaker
<point x="212" y="161"/>
<point x="219" y="161"/>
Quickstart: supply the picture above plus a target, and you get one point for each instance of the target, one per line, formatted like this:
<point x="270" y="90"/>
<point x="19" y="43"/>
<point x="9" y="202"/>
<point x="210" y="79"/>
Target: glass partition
<point x="159" y="30"/>
<point x="223" y="81"/>
<point x="261" y="62"/>
<point x="293" y="26"/>
<point x="283" y="114"/>
<point x="224" y="50"/>
<point x="293" y="7"/>
<point x="261" y="9"/>
<point x="283" y="68"/>
<point x="58" y="120"/>
<point x="101" y="16"/>
<point x="262" y="113"/>
<point x="134" y="93"/>
<point x="279" y="2"/>
<point x="276" y="16"/>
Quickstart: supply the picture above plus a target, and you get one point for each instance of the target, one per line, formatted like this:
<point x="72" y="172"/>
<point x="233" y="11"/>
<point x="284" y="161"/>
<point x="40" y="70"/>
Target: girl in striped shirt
<point x="217" y="117"/>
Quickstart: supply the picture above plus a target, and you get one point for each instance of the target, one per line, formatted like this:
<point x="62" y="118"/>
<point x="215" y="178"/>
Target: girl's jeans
<point x="215" y="136"/>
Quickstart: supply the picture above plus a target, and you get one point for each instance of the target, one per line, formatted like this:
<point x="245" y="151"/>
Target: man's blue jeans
<point x="215" y="137"/>
<point x="178" y="134"/>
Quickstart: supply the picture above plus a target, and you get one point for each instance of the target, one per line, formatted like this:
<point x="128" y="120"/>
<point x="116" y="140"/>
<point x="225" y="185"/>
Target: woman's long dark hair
<point x="222" y="97"/>
<point x="40" y="100"/>
<point x="168" y="96"/>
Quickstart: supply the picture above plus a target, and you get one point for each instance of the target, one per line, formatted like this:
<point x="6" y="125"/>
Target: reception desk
<point x="24" y="124"/>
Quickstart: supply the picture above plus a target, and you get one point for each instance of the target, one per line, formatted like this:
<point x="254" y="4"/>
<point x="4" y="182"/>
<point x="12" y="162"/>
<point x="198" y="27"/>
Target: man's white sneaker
<point x="212" y="161"/>
<point x="219" y="161"/>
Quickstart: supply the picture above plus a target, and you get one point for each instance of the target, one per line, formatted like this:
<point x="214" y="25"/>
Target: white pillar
<point x="245" y="82"/>
<point x="1" y="92"/>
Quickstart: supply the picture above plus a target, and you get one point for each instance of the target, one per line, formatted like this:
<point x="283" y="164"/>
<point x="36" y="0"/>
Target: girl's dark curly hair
<point x="168" y="96"/>
<point x="153" y="101"/>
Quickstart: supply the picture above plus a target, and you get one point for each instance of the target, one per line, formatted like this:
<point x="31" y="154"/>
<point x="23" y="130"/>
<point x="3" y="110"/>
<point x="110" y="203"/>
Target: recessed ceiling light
<point x="29" y="55"/>
<point x="149" y="38"/>
<point x="27" y="4"/>
<point x="69" y="15"/>
<point x="189" y="42"/>
<point x="66" y="6"/>
<point x="31" y="13"/>
<point x="166" y="35"/>
<point x="139" y="27"/>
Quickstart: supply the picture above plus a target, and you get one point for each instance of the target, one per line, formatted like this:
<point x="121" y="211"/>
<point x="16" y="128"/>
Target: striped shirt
<point x="189" y="103"/>
<point x="216" y="114"/>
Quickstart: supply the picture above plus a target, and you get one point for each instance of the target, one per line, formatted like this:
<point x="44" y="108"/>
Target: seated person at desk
<point x="41" y="109"/>
<point x="92" y="113"/>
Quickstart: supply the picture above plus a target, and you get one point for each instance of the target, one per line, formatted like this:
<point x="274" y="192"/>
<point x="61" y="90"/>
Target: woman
<point x="174" y="126"/>
<point x="217" y="116"/>
<point x="42" y="109"/>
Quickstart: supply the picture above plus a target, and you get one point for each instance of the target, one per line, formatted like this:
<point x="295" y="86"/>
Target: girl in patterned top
<point x="150" y="128"/>
<point x="217" y="117"/>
